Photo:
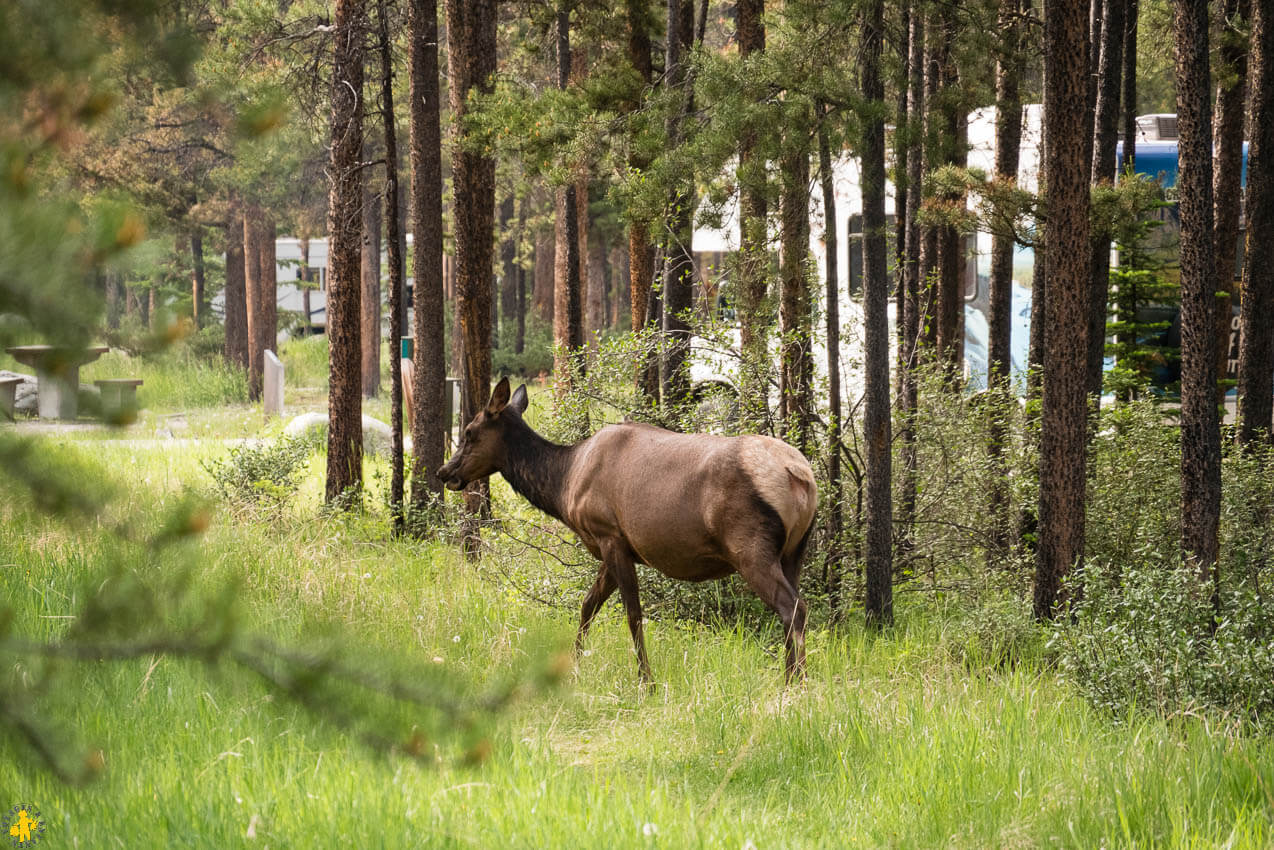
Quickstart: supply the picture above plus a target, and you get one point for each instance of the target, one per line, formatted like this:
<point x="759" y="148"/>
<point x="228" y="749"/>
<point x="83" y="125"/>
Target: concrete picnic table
<point x="57" y="372"/>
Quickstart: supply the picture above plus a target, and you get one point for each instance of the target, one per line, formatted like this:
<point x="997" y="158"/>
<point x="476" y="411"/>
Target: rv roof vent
<point x="1161" y="127"/>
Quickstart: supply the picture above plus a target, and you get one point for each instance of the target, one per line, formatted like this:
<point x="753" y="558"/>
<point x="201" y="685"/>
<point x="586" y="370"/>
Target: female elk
<point x="693" y="506"/>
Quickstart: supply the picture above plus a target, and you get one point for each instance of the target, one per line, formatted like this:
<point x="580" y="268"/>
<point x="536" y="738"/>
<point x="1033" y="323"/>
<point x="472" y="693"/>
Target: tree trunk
<point x="641" y="251"/>
<point x="678" y="250"/>
<point x="369" y="266"/>
<point x="508" y="256"/>
<point x="1130" y="84"/>
<point x="306" y="275"/>
<point x="568" y="331"/>
<point x="344" y="226"/>
<point x="1227" y="195"/>
<point x="394" y="241"/>
<point x="902" y="188"/>
<point x="619" y="281"/>
<point x="253" y="233"/>
<point x="876" y="426"/>
<point x="596" y="286"/>
<point x="198" y="296"/>
<point x="835" y="495"/>
<point x="519" y="283"/>
<point x="1008" y="143"/>
<point x="1109" y="68"/>
<point x="267" y="260"/>
<point x="236" y="305"/>
<point x="1200" y="433"/>
<point x="1256" y="333"/>
<point x="113" y="293"/>
<point x="910" y="326"/>
<point x="950" y="301"/>
<point x="754" y="259"/>
<point x="1066" y="170"/>
<point x="796" y="369"/>
<point x="568" y="328"/>
<point x="471" y="60"/>
<point x="582" y="236"/>
<point x="933" y="157"/>
<point x="542" y="282"/>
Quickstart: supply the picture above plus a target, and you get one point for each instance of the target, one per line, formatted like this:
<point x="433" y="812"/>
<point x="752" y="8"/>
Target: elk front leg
<point x="597" y="596"/>
<point x="624" y="572"/>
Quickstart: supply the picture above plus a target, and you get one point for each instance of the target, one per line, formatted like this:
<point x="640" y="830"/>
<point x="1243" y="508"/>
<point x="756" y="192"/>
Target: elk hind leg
<point x="768" y="581"/>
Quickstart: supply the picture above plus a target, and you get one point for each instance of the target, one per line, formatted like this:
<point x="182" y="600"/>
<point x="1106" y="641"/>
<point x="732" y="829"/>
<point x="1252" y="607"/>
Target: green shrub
<point x="1146" y="636"/>
<point x="267" y="472"/>
<point x="537" y="351"/>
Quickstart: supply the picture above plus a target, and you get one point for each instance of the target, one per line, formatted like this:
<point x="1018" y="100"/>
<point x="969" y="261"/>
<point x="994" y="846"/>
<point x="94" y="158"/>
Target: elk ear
<point x="518" y="402"/>
<point x="499" y="397"/>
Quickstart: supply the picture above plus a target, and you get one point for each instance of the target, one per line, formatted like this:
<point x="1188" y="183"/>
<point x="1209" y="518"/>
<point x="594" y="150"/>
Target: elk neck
<point x="536" y="469"/>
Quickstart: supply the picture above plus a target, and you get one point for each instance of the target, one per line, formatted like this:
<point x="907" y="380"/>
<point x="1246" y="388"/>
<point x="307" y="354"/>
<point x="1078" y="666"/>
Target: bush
<point x="537" y="351"/>
<point x="261" y="473"/>
<point x="1146" y="636"/>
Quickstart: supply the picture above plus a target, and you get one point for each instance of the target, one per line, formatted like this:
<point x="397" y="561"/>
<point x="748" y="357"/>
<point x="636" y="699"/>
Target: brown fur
<point x="693" y="506"/>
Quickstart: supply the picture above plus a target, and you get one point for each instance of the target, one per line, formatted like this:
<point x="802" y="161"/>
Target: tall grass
<point x="174" y="379"/>
<point x="906" y="739"/>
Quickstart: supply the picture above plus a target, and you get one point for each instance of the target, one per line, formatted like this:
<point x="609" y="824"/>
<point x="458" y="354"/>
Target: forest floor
<point x="905" y="739"/>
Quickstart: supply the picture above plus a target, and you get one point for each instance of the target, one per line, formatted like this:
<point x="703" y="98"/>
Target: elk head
<point x="482" y="443"/>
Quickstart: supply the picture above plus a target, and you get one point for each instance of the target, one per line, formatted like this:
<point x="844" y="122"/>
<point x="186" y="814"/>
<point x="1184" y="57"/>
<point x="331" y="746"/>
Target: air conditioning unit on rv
<point x="1161" y="127"/>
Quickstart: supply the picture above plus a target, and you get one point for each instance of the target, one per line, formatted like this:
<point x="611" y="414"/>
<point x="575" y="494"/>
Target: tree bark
<point x="876" y="424"/>
<point x="471" y="61"/>
<point x="1200" y="434"/>
<point x="236" y="305"/>
<point x="1130" y="84"/>
<point x="369" y="266"/>
<point x="902" y="189"/>
<point x="678" y="249"/>
<point x="198" y="296"/>
<point x="508" y="256"/>
<point x="754" y="259"/>
<point x="932" y="157"/>
<point x="582" y="235"/>
<point x="641" y="251"/>
<point x="1256" y="342"/>
<point x="950" y="300"/>
<point x="344" y="228"/>
<point x="545" y="260"/>
<point x="519" y="282"/>
<point x="835" y="512"/>
<point x="306" y="276"/>
<point x="1008" y="143"/>
<point x="1109" y="68"/>
<point x="796" y="370"/>
<point x="1227" y="195"/>
<point x="596" y="265"/>
<point x="1066" y="169"/>
<point x="253" y="234"/>
<point x="911" y="328"/>
<point x="394" y="240"/>
<point x="568" y="319"/>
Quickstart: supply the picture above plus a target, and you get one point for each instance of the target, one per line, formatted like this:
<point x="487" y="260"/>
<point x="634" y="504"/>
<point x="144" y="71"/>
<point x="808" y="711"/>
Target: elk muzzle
<point x="449" y="475"/>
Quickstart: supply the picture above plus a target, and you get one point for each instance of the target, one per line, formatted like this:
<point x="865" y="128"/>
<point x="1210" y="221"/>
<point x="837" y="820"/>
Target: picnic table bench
<point x="8" y="390"/>
<point x="119" y="398"/>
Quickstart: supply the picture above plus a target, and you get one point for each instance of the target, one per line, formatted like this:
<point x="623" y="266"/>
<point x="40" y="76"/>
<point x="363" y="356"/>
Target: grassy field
<point x="902" y="740"/>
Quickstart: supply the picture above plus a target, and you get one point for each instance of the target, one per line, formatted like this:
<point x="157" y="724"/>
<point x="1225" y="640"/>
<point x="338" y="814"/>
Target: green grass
<point x="894" y="741"/>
